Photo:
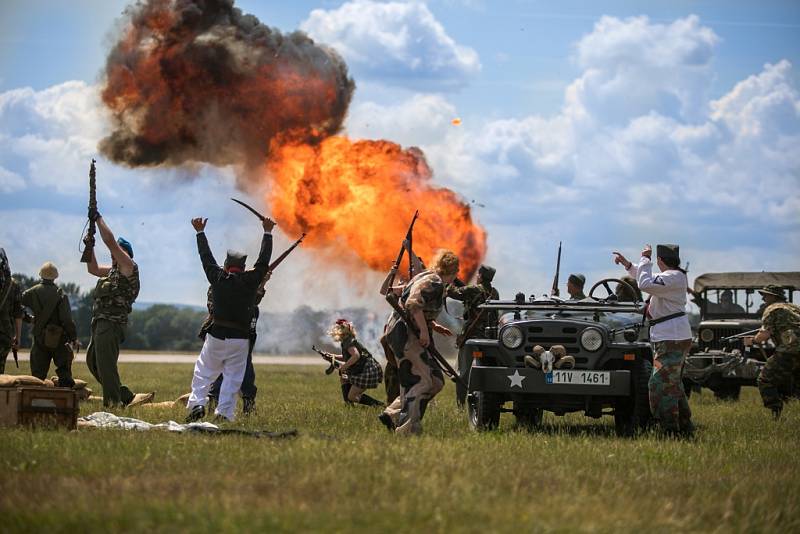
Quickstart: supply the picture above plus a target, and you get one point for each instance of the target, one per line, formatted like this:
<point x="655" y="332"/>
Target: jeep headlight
<point x="707" y="335"/>
<point x="511" y="337"/>
<point x="591" y="339"/>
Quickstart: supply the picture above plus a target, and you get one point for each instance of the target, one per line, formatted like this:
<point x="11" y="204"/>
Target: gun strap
<point x="653" y="322"/>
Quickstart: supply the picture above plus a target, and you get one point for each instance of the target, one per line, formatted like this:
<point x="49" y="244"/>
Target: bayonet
<point x="554" y="290"/>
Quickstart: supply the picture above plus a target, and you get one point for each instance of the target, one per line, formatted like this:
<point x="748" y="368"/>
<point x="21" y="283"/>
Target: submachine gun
<point x="328" y="357"/>
<point x="88" y="239"/>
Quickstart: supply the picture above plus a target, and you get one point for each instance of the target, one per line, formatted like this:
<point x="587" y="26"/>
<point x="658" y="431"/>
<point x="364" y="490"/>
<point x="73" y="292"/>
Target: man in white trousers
<point x="233" y="294"/>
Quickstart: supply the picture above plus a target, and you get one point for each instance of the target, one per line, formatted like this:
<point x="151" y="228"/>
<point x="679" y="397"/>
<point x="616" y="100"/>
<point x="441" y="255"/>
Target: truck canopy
<point x="746" y="280"/>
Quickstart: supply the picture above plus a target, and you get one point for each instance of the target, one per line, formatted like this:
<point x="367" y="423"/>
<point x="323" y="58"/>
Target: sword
<point x="257" y="214"/>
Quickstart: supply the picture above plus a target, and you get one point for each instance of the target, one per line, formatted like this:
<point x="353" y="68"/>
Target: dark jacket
<point x="40" y="298"/>
<point x="233" y="295"/>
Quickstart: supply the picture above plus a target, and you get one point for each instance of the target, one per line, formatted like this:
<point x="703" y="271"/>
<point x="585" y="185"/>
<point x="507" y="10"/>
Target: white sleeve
<point x="655" y="285"/>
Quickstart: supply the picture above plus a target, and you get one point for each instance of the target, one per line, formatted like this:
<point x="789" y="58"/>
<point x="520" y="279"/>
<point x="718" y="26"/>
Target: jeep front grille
<point x="719" y="333"/>
<point x="551" y="334"/>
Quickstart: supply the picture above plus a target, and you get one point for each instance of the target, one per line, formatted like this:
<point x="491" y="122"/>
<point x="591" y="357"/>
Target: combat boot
<point x="386" y="420"/>
<point x="197" y="413"/>
<point x="248" y="405"/>
<point x="776" y="412"/>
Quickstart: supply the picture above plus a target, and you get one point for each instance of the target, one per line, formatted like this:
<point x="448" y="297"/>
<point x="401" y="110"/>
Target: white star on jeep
<point x="516" y="379"/>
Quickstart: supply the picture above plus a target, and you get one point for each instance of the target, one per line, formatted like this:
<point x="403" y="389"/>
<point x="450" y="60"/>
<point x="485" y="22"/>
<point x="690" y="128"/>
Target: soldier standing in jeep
<point x="781" y="323"/>
<point x="670" y="334"/>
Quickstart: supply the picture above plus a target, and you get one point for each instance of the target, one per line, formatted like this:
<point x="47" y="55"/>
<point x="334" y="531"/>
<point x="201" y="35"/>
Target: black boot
<point x="197" y="413"/>
<point x="386" y="420"/>
<point x="346" y="392"/>
<point x="248" y="405"/>
<point x="366" y="400"/>
<point x="776" y="412"/>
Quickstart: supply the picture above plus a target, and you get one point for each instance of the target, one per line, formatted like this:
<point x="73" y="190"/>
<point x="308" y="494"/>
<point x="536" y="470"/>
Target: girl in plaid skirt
<point x="359" y="370"/>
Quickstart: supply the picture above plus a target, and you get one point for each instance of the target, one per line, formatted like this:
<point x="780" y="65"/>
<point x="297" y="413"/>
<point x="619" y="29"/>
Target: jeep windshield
<point x="609" y="312"/>
<point x="736" y="296"/>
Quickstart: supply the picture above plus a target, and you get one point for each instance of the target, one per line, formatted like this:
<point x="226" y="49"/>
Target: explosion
<point x="198" y="81"/>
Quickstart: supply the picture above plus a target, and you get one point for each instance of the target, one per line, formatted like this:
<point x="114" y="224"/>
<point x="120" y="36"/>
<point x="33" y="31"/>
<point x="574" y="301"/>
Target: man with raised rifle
<point x="475" y="320"/>
<point x="233" y="295"/>
<point x="11" y="312"/>
<point x="421" y="377"/>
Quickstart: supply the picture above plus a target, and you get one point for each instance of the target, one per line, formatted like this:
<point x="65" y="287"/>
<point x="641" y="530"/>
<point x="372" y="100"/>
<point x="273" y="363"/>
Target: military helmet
<point x="48" y="271"/>
<point x="487" y="273"/>
<point x="577" y="279"/>
<point x="774" y="290"/>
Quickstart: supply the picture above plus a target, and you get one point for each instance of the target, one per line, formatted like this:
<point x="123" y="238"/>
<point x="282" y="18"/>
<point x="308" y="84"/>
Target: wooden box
<point x="39" y="406"/>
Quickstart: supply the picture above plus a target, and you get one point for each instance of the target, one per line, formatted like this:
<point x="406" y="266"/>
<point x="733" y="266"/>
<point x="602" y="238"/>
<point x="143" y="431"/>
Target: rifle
<point x="440" y="360"/>
<point x="743" y="334"/>
<point x="88" y="240"/>
<point x="386" y="287"/>
<point x="463" y="337"/>
<point x="280" y="259"/>
<point x="554" y="290"/>
<point x="335" y="364"/>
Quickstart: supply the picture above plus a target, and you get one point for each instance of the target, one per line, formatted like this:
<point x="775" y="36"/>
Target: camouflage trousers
<point x="668" y="402"/>
<point x="420" y="381"/>
<point x="391" y="380"/>
<point x="775" y="380"/>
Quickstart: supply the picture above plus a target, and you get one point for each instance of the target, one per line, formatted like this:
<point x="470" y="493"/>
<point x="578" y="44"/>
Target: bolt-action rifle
<point x="743" y="334"/>
<point x="440" y="360"/>
<point x="88" y="240"/>
<point x="554" y="289"/>
<point x="386" y="287"/>
<point x="328" y="357"/>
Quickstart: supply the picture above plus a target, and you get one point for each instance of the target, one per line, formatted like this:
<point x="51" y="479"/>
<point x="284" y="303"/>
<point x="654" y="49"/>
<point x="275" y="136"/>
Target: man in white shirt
<point x="670" y="334"/>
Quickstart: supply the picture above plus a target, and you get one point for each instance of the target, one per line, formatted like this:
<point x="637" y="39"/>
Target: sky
<point x="604" y="125"/>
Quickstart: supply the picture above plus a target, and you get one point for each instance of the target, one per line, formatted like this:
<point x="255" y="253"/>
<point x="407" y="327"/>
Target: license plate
<point x="583" y="378"/>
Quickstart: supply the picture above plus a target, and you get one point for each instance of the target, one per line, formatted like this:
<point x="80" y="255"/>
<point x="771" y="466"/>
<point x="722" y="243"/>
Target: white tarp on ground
<point x="109" y="420"/>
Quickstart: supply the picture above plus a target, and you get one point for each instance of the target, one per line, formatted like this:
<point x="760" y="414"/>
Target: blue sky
<point x="602" y="124"/>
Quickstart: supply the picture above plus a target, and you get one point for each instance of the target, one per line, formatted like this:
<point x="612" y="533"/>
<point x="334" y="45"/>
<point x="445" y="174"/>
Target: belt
<point x="653" y="322"/>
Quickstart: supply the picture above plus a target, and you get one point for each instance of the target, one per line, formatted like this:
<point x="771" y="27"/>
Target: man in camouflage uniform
<point x="114" y="295"/>
<point x="475" y="320"/>
<point x="10" y="311"/>
<point x="781" y="323"/>
<point x="420" y="378"/>
<point x="51" y="308"/>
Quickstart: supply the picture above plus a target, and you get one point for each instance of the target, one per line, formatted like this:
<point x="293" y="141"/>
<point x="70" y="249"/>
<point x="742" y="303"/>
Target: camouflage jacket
<point x="473" y="296"/>
<point x="424" y="292"/>
<point x="10" y="309"/>
<point x="114" y="296"/>
<point x="782" y="321"/>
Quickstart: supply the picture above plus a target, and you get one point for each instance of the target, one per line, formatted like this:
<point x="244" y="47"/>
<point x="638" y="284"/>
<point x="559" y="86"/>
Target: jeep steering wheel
<point x="604" y="282"/>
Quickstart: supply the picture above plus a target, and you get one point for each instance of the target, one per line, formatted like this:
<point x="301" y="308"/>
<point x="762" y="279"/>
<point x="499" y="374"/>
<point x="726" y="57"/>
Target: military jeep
<point x="606" y="338"/>
<point x="730" y="306"/>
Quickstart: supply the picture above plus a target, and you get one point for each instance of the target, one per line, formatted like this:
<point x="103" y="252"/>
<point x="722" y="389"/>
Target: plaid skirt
<point x="369" y="377"/>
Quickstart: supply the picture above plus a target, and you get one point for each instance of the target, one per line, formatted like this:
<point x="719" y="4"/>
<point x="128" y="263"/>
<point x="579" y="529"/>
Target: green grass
<point x="346" y="473"/>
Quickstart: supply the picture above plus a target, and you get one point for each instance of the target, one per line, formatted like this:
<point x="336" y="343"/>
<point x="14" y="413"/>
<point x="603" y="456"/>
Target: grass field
<point x="346" y="473"/>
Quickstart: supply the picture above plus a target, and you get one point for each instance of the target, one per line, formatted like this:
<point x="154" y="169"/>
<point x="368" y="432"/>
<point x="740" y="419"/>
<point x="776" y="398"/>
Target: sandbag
<point x="19" y="380"/>
<point x="182" y="400"/>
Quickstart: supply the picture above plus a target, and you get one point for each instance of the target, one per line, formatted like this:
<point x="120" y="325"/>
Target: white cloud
<point x="399" y="43"/>
<point x="10" y="181"/>
<point x="638" y="153"/>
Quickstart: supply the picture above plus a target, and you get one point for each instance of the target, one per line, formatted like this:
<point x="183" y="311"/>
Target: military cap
<point x="487" y="273"/>
<point x="235" y="259"/>
<point x="668" y="252"/>
<point x="126" y="246"/>
<point x="775" y="291"/>
<point x="577" y="279"/>
<point x="48" y="271"/>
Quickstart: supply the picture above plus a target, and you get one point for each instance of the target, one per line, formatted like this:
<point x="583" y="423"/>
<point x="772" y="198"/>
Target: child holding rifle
<point x="358" y="370"/>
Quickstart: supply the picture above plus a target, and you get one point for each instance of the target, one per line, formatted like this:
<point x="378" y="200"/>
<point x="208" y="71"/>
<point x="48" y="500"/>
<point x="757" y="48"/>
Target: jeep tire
<point x="632" y="414"/>
<point x="484" y="410"/>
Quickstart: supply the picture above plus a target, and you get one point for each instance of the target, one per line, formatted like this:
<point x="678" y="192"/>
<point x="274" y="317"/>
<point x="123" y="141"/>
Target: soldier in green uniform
<point x="116" y="290"/>
<point x="475" y="320"/>
<point x="781" y="323"/>
<point x="10" y="311"/>
<point x="53" y="327"/>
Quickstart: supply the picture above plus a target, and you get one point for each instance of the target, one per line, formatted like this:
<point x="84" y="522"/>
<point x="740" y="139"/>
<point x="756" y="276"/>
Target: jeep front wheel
<point x="632" y="414"/>
<point x="484" y="410"/>
<point x="527" y="416"/>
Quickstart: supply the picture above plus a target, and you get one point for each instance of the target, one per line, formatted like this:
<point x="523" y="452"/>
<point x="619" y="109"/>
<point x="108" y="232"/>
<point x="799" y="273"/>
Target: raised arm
<point x="658" y="285"/>
<point x="94" y="269"/>
<point x="262" y="263"/>
<point x="124" y="262"/>
<point x="212" y="270"/>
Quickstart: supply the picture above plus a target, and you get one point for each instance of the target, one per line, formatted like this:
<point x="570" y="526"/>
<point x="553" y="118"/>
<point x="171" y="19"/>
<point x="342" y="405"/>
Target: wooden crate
<point x="39" y="406"/>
